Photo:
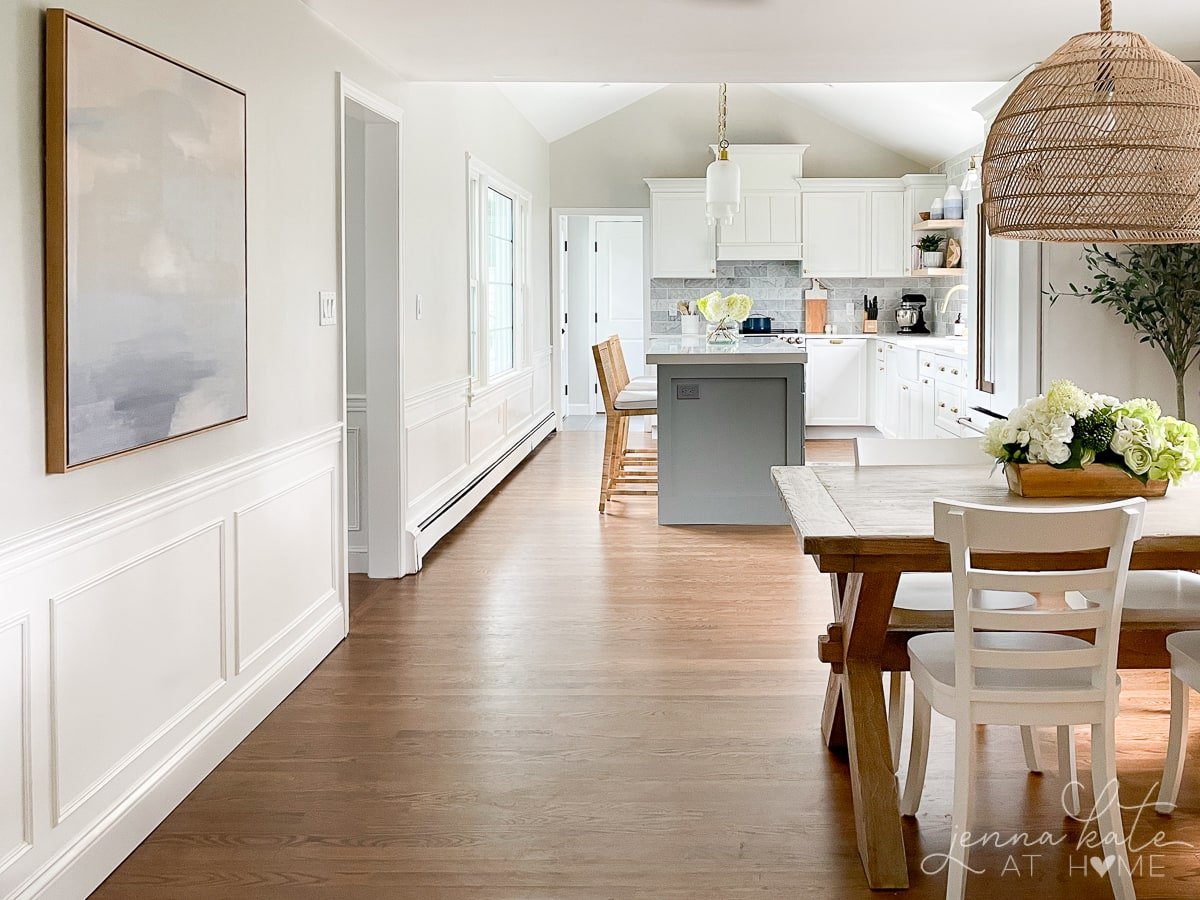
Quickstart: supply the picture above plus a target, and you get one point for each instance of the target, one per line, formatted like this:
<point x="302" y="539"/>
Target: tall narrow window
<point x="497" y="256"/>
<point x="501" y="243"/>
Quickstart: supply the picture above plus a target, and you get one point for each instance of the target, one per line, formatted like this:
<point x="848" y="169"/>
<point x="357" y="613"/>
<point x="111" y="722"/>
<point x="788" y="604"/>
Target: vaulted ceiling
<point x="763" y="41"/>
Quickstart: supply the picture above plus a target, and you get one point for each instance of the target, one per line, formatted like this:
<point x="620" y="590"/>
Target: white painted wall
<point x="667" y="134"/>
<point x="442" y="124"/>
<point x="186" y="589"/>
<point x="1092" y="346"/>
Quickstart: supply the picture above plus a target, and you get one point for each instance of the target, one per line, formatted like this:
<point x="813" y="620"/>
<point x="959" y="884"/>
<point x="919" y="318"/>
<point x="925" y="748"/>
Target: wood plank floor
<point x="567" y="705"/>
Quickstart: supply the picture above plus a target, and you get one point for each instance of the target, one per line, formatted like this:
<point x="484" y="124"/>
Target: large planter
<point x="1096" y="481"/>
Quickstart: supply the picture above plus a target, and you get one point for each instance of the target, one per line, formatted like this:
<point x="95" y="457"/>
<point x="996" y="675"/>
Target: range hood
<point x="768" y="226"/>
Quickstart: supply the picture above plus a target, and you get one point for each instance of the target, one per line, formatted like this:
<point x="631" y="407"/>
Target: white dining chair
<point x="1008" y="667"/>
<point x="932" y="592"/>
<point x="1184" y="648"/>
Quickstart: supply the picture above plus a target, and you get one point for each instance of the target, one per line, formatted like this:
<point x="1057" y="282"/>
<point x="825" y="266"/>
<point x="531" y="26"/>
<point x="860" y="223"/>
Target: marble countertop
<point x="697" y="351"/>
<point x="937" y="343"/>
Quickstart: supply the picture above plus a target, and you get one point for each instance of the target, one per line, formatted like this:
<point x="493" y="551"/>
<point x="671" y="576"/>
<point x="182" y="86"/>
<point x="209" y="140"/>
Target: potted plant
<point x="724" y="314"/>
<point x="1156" y="289"/>
<point x="1068" y="443"/>
<point x="930" y="246"/>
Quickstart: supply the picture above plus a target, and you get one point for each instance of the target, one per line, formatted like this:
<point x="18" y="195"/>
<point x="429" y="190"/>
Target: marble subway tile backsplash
<point x="778" y="291"/>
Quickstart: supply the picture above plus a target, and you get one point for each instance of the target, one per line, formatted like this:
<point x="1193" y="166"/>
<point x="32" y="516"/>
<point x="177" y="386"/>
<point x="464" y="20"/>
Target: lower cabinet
<point x="917" y="394"/>
<point x="836" y="390"/>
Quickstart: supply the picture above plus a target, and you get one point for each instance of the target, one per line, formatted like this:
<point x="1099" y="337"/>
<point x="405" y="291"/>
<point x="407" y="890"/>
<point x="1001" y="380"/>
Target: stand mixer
<point x="910" y="317"/>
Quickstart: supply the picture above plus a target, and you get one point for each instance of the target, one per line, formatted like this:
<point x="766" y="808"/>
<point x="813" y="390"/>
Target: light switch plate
<point x="328" y="308"/>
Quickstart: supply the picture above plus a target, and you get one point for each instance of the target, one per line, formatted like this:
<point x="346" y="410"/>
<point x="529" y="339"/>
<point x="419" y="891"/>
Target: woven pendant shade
<point x="1100" y="143"/>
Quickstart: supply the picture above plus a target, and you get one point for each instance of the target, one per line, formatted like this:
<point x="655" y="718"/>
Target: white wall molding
<point x="356" y="403"/>
<point x="92" y="855"/>
<point x="65" y="806"/>
<point x="16" y="783"/>
<point x="158" y="582"/>
<point x="71" y="533"/>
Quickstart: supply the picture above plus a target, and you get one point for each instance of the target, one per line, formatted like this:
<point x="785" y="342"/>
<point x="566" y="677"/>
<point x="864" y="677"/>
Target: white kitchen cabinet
<point x="854" y="227"/>
<point x="835" y="225"/>
<point x="682" y="243"/>
<point x="766" y="227"/>
<point x="919" y="194"/>
<point x="836" y="382"/>
<point x="889" y="235"/>
<point x="919" y="394"/>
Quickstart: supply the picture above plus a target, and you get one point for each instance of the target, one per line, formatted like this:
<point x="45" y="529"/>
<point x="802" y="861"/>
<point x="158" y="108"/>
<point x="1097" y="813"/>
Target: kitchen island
<point x="727" y="413"/>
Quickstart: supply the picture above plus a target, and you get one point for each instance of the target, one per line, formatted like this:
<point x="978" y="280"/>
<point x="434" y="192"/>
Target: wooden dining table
<point x="866" y="527"/>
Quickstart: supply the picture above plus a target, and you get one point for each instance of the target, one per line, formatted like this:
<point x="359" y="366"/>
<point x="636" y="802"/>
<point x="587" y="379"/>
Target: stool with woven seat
<point x="626" y="470"/>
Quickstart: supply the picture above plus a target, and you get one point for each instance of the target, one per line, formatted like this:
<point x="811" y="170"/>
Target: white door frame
<point x="557" y="304"/>
<point x="390" y="553"/>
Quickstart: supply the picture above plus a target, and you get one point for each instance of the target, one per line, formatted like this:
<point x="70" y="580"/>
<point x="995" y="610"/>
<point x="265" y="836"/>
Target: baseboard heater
<point x="438" y="523"/>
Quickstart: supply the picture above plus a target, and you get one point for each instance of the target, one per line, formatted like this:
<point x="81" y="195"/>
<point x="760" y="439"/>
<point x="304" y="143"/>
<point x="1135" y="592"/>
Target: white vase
<point x="932" y="259"/>
<point x="690" y="325"/>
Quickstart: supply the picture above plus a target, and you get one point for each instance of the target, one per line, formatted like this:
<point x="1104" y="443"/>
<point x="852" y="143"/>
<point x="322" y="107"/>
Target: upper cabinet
<point x="919" y="193"/>
<point x="836" y="233"/>
<point x="682" y="243"/>
<point x="854" y="227"/>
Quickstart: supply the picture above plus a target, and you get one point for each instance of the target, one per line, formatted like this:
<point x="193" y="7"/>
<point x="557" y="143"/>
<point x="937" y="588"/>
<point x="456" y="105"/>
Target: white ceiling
<point x="756" y="41"/>
<point x="927" y="122"/>
<point x="558" y="109"/>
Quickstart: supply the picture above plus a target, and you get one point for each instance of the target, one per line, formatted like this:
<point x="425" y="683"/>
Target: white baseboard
<point x="429" y="533"/>
<point x="357" y="561"/>
<point x="579" y="409"/>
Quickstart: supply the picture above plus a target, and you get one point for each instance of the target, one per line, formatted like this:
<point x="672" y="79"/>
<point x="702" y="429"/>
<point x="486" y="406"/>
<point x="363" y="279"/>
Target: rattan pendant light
<point x="1100" y="143"/>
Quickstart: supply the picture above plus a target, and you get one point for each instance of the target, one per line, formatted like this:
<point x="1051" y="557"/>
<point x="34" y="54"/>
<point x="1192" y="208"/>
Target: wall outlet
<point x="687" y="391"/>
<point x="328" y="307"/>
<point x="672" y="312"/>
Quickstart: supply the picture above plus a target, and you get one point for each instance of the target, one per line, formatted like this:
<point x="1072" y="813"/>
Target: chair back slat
<point x="971" y="528"/>
<point x="919" y="452"/>
<point x="1083" y="658"/>
<point x="1048" y="582"/>
<point x="619" y="367"/>
<point x="1040" y="619"/>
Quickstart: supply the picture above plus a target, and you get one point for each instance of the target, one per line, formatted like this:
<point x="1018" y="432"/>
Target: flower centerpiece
<point x="1069" y="443"/>
<point x="725" y="314"/>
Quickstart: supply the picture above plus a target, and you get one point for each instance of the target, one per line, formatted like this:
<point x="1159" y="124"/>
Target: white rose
<point x="1139" y="459"/>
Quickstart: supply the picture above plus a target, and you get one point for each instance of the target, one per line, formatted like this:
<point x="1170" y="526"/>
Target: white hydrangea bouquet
<point x="725" y="314"/>
<point x="1069" y="429"/>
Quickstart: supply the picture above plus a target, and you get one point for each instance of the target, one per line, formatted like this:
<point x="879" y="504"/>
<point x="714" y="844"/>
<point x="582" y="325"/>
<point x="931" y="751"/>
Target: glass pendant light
<point x="723" y="181"/>
<point x="970" y="181"/>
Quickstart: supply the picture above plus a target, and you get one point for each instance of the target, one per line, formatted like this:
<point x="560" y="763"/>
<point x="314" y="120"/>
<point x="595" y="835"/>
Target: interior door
<point x="619" y="295"/>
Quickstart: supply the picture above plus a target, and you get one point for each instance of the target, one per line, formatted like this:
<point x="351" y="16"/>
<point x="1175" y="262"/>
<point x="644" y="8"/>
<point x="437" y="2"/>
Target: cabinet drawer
<point x="926" y="363"/>
<point x="950" y="369"/>
<point x="949" y="407"/>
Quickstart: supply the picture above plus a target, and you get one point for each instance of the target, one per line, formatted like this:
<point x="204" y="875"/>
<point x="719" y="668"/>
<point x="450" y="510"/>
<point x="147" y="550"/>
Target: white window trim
<point x="480" y="177"/>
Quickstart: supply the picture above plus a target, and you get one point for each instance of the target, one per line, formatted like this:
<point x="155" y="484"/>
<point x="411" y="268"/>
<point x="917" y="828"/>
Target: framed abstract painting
<point x="145" y="247"/>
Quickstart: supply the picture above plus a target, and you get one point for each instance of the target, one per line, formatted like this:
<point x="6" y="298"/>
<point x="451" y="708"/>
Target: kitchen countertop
<point x="697" y="351"/>
<point x="937" y="343"/>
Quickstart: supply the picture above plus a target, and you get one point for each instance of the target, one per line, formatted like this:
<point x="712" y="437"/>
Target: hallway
<point x="567" y="705"/>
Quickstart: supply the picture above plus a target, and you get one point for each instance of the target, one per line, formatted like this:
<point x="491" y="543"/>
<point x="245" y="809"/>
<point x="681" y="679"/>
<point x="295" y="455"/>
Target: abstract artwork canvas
<point x="145" y="246"/>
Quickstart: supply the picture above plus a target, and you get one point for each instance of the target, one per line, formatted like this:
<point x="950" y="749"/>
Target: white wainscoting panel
<point x="285" y="563"/>
<point x="15" y="810"/>
<point x="453" y="441"/>
<point x="119" y="683"/>
<point x="131" y="652"/>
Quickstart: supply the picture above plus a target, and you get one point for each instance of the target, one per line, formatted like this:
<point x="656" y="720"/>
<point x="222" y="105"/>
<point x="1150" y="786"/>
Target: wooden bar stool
<point x="625" y="470"/>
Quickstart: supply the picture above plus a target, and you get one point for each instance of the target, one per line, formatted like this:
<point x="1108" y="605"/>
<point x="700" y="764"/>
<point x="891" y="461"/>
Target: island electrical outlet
<point x="689" y="391"/>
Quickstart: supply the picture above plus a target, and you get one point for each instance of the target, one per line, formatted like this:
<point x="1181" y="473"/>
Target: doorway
<point x="370" y="237"/>
<point x="600" y="289"/>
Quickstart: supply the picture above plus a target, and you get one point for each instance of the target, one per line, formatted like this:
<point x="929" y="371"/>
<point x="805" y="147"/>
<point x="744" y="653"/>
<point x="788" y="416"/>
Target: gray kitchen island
<point x="727" y="413"/>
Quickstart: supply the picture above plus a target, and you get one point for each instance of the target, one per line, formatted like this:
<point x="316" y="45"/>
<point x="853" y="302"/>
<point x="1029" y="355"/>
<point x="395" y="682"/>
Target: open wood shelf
<point x="934" y="273"/>
<point x="939" y="225"/>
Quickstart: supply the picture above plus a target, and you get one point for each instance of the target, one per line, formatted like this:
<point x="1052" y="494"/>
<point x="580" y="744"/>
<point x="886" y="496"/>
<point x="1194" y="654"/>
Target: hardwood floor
<point x="568" y="705"/>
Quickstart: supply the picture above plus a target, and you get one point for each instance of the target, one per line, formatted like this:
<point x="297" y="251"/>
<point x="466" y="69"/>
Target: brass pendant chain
<point x="722" y="144"/>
